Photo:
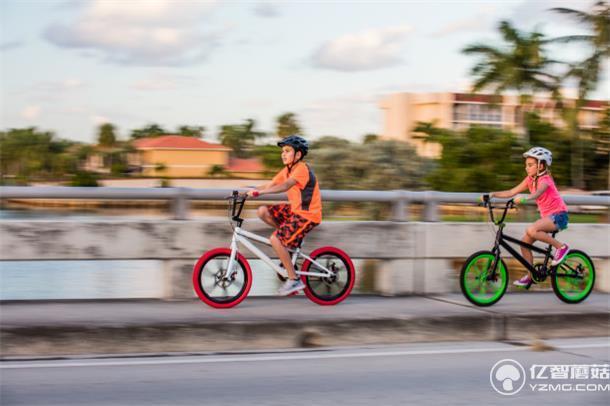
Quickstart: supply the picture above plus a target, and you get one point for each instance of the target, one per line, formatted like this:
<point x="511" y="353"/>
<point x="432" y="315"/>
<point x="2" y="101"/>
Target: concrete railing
<point x="180" y="197"/>
<point x="412" y="257"/>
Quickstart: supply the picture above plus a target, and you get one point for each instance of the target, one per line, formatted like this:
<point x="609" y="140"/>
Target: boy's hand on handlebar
<point x="253" y="193"/>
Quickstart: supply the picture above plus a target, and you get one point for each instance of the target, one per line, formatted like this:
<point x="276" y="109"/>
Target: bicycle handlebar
<point x="237" y="205"/>
<point x="510" y="204"/>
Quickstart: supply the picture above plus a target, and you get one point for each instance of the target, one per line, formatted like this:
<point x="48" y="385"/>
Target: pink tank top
<point x="550" y="202"/>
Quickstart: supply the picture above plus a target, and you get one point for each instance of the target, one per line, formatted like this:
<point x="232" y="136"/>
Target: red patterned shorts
<point x="292" y="228"/>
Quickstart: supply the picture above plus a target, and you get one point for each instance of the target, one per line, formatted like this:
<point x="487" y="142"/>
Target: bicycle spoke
<point x="208" y="286"/>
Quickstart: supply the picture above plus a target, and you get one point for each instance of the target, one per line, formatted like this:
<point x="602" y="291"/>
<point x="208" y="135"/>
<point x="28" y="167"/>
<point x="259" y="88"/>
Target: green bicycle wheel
<point x="479" y="283"/>
<point x="574" y="278"/>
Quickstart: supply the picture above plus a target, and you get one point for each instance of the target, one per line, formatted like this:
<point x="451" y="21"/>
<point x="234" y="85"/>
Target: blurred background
<point x="195" y="94"/>
<point x="123" y="124"/>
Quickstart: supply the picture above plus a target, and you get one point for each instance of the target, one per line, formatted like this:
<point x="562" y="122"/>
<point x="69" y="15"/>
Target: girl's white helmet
<point x="541" y="154"/>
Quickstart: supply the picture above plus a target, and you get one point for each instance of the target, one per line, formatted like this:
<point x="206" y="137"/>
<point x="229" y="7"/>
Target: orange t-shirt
<point x="304" y="196"/>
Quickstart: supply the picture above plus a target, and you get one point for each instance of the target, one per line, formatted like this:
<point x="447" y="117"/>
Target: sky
<point x="70" y="65"/>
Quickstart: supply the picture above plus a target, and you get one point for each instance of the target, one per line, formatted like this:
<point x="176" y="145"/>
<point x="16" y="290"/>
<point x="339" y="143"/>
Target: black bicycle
<point x="484" y="276"/>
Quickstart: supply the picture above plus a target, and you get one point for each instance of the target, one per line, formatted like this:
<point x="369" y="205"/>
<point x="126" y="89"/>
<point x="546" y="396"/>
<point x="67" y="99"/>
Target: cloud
<point x="163" y="82"/>
<point x="147" y="32"/>
<point x="30" y="112"/>
<point x="531" y="12"/>
<point x="57" y="86"/>
<point x="480" y="22"/>
<point x="99" y="119"/>
<point x="350" y="115"/>
<point x="72" y="83"/>
<point x="266" y="9"/>
<point x="9" y="45"/>
<point x="369" y="50"/>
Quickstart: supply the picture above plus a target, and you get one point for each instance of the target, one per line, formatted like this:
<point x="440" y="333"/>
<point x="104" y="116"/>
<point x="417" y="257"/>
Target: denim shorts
<point x="561" y="220"/>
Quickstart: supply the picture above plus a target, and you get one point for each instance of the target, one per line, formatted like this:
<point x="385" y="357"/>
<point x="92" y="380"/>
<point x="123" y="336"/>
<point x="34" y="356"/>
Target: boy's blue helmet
<point x="297" y="142"/>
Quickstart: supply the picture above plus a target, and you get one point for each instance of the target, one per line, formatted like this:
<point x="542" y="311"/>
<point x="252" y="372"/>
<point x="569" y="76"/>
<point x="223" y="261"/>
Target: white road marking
<point x="269" y="358"/>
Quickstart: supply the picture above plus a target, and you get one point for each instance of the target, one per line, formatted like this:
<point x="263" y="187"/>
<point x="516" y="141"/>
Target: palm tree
<point x="598" y="21"/>
<point x="519" y="64"/>
<point x="287" y="124"/>
<point x="587" y="72"/>
<point x="240" y="138"/>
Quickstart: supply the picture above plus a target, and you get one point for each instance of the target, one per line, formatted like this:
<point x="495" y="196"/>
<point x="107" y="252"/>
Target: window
<point x="481" y="113"/>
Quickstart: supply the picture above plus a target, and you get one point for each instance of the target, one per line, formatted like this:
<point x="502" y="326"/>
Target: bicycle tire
<point x="339" y="287"/>
<point x="467" y="272"/>
<point x="575" y="261"/>
<point x="204" y="268"/>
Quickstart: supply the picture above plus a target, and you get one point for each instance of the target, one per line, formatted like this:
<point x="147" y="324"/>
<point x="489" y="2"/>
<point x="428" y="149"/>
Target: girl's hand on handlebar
<point x="520" y="200"/>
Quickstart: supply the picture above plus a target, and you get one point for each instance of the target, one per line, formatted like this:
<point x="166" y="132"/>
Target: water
<point x="58" y="280"/>
<point x="95" y="213"/>
<point x="28" y="280"/>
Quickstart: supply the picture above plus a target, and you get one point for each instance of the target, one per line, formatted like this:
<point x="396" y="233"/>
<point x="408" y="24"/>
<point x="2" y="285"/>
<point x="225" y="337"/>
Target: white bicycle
<point x="222" y="277"/>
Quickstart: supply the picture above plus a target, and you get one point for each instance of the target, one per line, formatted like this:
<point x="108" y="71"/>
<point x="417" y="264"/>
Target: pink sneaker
<point x="560" y="255"/>
<point x="525" y="281"/>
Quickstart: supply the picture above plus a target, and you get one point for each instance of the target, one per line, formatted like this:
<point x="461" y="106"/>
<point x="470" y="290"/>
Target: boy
<point x="294" y="220"/>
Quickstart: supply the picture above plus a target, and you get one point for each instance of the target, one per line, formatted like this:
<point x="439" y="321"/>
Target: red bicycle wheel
<point x="215" y="290"/>
<point x="330" y="290"/>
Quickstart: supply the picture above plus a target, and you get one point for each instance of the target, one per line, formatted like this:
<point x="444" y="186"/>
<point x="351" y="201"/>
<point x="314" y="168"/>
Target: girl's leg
<point x="527" y="254"/>
<point x="540" y="229"/>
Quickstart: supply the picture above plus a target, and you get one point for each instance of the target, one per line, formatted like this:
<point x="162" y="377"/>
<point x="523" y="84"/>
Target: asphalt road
<point x="422" y="374"/>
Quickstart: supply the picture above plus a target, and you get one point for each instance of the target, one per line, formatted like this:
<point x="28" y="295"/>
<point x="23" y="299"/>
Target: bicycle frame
<point x="503" y="240"/>
<point x="243" y="237"/>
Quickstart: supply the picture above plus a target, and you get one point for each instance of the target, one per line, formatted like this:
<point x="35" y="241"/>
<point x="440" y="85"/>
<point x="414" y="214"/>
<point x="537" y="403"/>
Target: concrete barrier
<point x="413" y="257"/>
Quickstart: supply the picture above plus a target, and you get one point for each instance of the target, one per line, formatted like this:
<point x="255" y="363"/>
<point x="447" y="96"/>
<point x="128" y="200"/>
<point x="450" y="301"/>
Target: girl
<point x="553" y="210"/>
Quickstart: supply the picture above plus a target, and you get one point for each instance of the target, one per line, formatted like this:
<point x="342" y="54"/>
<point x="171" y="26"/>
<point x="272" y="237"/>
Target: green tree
<point x="191" y="131"/>
<point x="240" y="137"/>
<point x="28" y="154"/>
<point x="287" y="124"/>
<point x="151" y="130"/>
<point x="84" y="179"/>
<point x="384" y="165"/>
<point x="544" y="134"/>
<point x="269" y="156"/>
<point x="107" y="135"/>
<point x="369" y="138"/>
<point x="377" y="165"/>
<point x="597" y="153"/>
<point x="597" y="21"/>
<point x="587" y="73"/>
<point x="217" y="171"/>
<point x="476" y="160"/>
<point x="519" y="64"/>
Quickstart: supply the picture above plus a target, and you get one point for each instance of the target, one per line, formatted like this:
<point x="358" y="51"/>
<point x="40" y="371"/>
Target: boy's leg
<point x="263" y="214"/>
<point x="540" y="229"/>
<point x="283" y="255"/>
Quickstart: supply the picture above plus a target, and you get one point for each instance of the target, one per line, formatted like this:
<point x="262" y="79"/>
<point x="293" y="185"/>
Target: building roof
<point x="540" y="103"/>
<point x="477" y="98"/>
<point x="177" y="142"/>
<point x="596" y="104"/>
<point x="245" y="165"/>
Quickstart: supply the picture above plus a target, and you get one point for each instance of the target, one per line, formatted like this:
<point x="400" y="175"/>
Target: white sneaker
<point x="291" y="286"/>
